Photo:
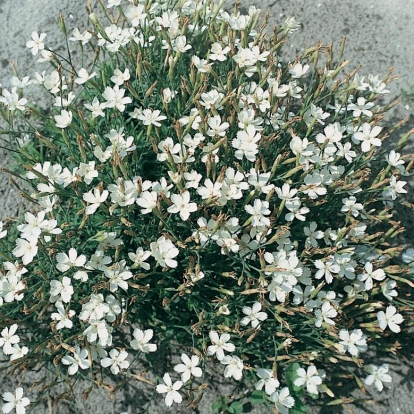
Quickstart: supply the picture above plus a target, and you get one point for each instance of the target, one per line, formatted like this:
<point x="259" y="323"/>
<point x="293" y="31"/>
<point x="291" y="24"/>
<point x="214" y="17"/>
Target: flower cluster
<point x="195" y="191"/>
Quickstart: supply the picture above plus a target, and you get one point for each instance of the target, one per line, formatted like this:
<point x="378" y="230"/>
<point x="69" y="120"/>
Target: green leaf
<point x="257" y="397"/>
<point x="217" y="406"/>
<point x="291" y="375"/>
<point x="299" y="407"/>
<point x="236" y="407"/>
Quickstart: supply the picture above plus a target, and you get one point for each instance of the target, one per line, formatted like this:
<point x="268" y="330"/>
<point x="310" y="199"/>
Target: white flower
<point x="286" y="193"/>
<point x="325" y="314"/>
<point x="220" y="344"/>
<point x="239" y="21"/>
<point x="218" y="53"/>
<point x="61" y="101"/>
<point x="326" y="269"/>
<point x="368" y="136"/>
<point x="351" y="206"/>
<point x="202" y="65"/>
<point x="313" y="186"/>
<point x="135" y="14"/>
<point x="167" y="146"/>
<point x="315" y="113"/>
<point x="376" y="85"/>
<point x="12" y="101"/>
<point x="11" y="289"/>
<point x="312" y="235"/>
<point x="310" y="378"/>
<point x="282" y="400"/>
<point x="179" y="44"/>
<point x="298" y="70"/>
<point x="116" y="360"/>
<point x="296" y="211"/>
<point x="112" y="3"/>
<point x="96" y="108"/>
<point x="63" y="288"/>
<point x="361" y="107"/>
<point x="120" y="77"/>
<point x="17" y="352"/>
<point x="192" y="179"/>
<point x="182" y="205"/>
<point x="8" y="339"/>
<point x="378" y="375"/>
<point x="139" y="258"/>
<point x="388" y="289"/>
<point x="36" y="43"/>
<point x="333" y="133"/>
<point x="188" y="367"/>
<point x="15" y="401"/>
<point x="258" y="211"/>
<point x="79" y="360"/>
<point x="98" y="261"/>
<point x="26" y="249"/>
<point x="390" y="318"/>
<point x="118" y="274"/>
<point x="168" y="95"/>
<point x="254" y="316"/>
<point x="35" y="225"/>
<point x="216" y="127"/>
<point x="345" y="151"/>
<point x="94" y="309"/>
<point x="395" y="187"/>
<point x="77" y="36"/>
<point x="211" y="98"/>
<point x="354" y="342"/>
<point x="64" y="119"/>
<point x="101" y="330"/>
<point x="148" y="201"/>
<point x="246" y="143"/>
<point x="141" y="341"/>
<point x="94" y="198"/>
<point x="83" y="76"/>
<point x="267" y="380"/>
<point x="151" y="117"/>
<point x="394" y="159"/>
<point x="210" y="189"/>
<point x="234" y="367"/>
<point x="163" y="250"/>
<point x="171" y="389"/>
<point x="53" y="82"/>
<point x="114" y="308"/>
<point x="65" y="262"/>
<point x="62" y="317"/>
<point x="408" y="256"/>
<point x="115" y="98"/>
<point x="371" y="274"/>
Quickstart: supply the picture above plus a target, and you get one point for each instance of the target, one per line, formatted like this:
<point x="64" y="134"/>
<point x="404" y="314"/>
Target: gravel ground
<point x="380" y="35"/>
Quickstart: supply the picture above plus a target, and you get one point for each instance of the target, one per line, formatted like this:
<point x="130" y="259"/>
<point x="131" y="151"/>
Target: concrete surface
<point x="380" y="34"/>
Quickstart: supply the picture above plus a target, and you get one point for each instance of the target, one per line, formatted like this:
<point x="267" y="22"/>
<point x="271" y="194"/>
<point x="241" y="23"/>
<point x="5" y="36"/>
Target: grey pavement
<point x="380" y="34"/>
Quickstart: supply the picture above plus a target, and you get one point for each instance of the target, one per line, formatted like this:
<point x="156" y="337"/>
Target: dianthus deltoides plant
<point x="196" y="195"/>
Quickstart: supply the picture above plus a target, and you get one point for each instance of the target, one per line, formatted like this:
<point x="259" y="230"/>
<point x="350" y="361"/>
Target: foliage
<point x="195" y="194"/>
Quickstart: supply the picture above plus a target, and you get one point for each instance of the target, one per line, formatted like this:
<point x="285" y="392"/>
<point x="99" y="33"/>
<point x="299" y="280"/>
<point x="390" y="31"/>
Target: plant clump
<point x="195" y="194"/>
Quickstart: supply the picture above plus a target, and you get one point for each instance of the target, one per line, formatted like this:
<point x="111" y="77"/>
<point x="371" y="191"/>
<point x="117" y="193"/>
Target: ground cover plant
<point x="195" y="195"/>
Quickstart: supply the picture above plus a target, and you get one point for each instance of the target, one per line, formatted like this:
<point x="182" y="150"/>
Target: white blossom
<point x="220" y="344"/>
<point x="390" y="318"/>
<point x="116" y="360"/>
<point x="377" y="376"/>
<point x="171" y="390"/>
<point x="189" y="367"/>
<point x="310" y="378"/>
<point x="78" y="360"/>
<point x="141" y="341"/>
<point x="234" y="368"/>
